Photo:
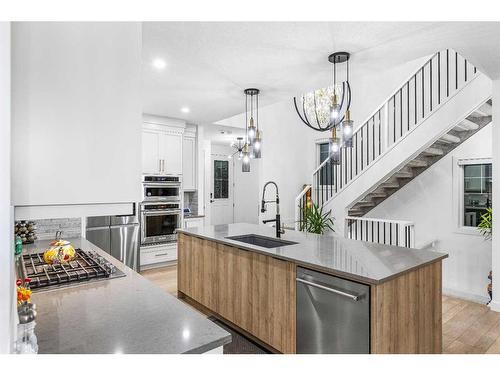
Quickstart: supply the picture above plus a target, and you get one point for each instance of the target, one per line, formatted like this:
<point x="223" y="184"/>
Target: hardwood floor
<point x="468" y="327"/>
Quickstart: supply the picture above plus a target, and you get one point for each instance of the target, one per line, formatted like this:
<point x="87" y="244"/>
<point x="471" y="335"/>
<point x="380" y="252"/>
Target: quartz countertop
<point x="361" y="261"/>
<point x="122" y="315"/>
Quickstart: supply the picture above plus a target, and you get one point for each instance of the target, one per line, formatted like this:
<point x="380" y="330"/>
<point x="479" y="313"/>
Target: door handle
<point x="354" y="297"/>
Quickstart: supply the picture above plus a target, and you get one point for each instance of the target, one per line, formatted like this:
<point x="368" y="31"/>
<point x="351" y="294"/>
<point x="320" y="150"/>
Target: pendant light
<point x="252" y="147"/>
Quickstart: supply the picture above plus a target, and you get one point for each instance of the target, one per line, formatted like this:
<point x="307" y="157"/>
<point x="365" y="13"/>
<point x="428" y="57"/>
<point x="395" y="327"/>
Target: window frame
<point x="458" y="196"/>
<point x="221" y="179"/>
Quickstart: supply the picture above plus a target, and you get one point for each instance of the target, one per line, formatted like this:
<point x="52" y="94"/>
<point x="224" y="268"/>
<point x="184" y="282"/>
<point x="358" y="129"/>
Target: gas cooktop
<point x="87" y="266"/>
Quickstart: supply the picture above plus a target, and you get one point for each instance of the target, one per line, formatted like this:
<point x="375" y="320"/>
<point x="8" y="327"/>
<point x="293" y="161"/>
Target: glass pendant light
<point x="347" y="130"/>
<point x="257" y="146"/>
<point x="252" y="131"/>
<point x="334" y="109"/>
<point x="253" y="143"/>
<point x="334" y="147"/>
<point x="245" y="160"/>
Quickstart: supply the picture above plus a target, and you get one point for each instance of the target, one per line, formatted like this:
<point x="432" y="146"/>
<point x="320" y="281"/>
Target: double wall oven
<point x="161" y="211"/>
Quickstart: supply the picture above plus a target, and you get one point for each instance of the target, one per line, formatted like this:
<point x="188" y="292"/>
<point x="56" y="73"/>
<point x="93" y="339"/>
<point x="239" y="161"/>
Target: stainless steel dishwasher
<point x="333" y="314"/>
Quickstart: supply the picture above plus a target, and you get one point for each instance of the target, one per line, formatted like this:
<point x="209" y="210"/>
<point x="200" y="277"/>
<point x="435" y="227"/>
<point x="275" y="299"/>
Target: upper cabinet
<point x="162" y="144"/>
<point x="189" y="161"/>
<point x="76" y="114"/>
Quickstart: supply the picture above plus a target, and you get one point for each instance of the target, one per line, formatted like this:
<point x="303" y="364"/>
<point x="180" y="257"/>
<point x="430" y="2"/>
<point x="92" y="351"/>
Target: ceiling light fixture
<point x="185" y="110"/>
<point x="322" y="111"/>
<point x="159" y="64"/>
<point x="249" y="147"/>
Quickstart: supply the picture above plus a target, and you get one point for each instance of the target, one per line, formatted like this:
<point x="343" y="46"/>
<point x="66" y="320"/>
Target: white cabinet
<point x="189" y="163"/>
<point x="151" y="256"/>
<point x="161" y="149"/>
<point x="151" y="160"/>
<point x="171" y="153"/>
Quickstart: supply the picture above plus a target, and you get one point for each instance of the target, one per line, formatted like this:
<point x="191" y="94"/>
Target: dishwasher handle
<point x="354" y="297"/>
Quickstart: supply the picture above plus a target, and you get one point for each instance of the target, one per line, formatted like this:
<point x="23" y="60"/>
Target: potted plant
<point x="315" y="220"/>
<point x="484" y="227"/>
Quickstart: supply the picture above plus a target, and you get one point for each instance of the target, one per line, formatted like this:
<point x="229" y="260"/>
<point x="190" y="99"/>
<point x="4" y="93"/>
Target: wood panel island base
<point x="253" y="289"/>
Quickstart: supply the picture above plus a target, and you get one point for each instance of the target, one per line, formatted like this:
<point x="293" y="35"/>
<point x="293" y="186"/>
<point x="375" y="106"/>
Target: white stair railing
<point x="302" y="201"/>
<point x="389" y="232"/>
<point x="439" y="79"/>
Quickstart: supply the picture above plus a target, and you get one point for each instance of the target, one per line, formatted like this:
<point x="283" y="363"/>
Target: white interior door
<point x="221" y="191"/>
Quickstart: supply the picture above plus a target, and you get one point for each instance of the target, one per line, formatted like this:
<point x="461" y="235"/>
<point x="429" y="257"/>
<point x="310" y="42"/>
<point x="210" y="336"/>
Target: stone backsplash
<point x="47" y="228"/>
<point x="191" y="201"/>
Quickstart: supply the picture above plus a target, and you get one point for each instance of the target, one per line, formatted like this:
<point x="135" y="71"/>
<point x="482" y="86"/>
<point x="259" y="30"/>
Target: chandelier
<point x="249" y="147"/>
<point x="329" y="108"/>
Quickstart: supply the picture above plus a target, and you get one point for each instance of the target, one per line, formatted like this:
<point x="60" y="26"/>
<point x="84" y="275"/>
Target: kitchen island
<point x="121" y="315"/>
<point x="254" y="288"/>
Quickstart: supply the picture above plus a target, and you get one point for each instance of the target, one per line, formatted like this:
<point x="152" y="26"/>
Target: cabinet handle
<point x="163" y="165"/>
<point x="354" y="297"/>
<point x="159" y="165"/>
<point x="160" y="254"/>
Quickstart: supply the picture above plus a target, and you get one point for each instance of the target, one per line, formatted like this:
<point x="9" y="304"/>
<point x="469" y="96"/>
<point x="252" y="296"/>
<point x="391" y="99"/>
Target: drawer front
<point x="158" y="254"/>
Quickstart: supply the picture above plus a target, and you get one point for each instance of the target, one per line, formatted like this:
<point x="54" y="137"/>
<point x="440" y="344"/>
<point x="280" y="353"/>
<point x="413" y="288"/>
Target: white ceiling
<point x="209" y="64"/>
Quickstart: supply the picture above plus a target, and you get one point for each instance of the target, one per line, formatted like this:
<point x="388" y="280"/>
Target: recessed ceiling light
<point x="159" y="63"/>
<point x="185" y="110"/>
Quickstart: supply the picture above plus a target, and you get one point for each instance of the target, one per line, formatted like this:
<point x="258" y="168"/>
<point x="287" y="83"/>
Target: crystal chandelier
<point x="329" y="108"/>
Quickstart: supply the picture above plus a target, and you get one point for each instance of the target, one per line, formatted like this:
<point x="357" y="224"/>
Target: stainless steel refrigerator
<point x="117" y="235"/>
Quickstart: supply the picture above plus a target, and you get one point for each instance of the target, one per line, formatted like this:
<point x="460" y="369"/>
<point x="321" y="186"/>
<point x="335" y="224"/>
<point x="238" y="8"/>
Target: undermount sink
<point x="267" y="242"/>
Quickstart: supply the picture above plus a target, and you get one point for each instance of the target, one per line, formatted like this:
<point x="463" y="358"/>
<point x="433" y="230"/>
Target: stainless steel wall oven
<point x="159" y="222"/>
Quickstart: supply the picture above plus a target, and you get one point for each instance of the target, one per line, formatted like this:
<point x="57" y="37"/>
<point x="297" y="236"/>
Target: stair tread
<point x="418" y="163"/>
<point x="433" y="151"/>
<point x="449" y="138"/>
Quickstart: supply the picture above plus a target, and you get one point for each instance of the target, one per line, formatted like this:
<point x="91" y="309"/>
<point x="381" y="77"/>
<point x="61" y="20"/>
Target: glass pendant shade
<point x="334" y="148"/>
<point x="252" y="131"/>
<point x="257" y="146"/>
<point x="245" y="163"/>
<point x="347" y="130"/>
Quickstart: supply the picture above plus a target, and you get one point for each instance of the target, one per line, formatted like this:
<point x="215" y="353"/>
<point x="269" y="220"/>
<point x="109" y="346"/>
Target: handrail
<point x="303" y="192"/>
<point x="402" y="222"/>
<point x="300" y="205"/>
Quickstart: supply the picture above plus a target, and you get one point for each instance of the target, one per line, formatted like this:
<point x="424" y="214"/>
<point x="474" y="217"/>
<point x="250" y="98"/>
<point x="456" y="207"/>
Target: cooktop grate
<point x="86" y="266"/>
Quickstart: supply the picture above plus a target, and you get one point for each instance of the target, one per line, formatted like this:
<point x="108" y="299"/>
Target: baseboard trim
<point x="465" y="295"/>
<point x="495" y="305"/>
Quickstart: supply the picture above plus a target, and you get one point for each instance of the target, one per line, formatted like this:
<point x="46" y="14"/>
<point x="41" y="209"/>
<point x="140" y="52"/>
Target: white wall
<point x="246" y="192"/>
<point x="7" y="317"/>
<point x="76" y="113"/>
<point x="495" y="140"/>
<point x="429" y="201"/>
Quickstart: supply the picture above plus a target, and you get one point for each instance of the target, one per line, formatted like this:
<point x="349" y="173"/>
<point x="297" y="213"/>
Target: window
<point x="477" y="186"/>
<point x="221" y="179"/>
<point x="326" y="176"/>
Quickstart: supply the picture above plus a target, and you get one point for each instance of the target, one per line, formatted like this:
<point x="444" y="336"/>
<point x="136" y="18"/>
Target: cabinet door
<point x="197" y="270"/>
<point x="171" y="153"/>
<point x="150" y="151"/>
<point x="189" y="163"/>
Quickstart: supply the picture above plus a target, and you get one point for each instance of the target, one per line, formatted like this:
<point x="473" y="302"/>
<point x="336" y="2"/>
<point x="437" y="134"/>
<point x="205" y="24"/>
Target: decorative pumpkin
<point x="59" y="252"/>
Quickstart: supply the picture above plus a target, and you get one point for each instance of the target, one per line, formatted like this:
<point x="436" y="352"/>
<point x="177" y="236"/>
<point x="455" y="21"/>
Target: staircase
<point x="440" y="106"/>
<point x="412" y="168"/>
